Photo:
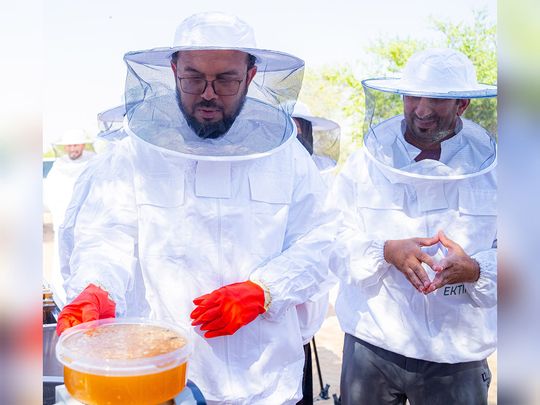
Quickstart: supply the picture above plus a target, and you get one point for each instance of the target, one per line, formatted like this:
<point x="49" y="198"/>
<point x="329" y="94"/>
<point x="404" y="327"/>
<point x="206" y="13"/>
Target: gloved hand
<point x="227" y="309"/>
<point x="91" y="304"/>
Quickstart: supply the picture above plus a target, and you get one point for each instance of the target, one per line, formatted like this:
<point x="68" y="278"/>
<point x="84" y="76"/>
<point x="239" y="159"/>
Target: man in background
<point x="209" y="212"/>
<point x="58" y="189"/>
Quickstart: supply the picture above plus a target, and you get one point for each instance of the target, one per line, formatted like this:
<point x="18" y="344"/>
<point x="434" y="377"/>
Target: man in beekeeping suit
<point x="417" y="251"/>
<point x="208" y="212"/>
<point x="57" y="191"/>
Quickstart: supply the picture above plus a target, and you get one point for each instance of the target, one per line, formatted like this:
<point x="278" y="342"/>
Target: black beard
<point x="209" y="130"/>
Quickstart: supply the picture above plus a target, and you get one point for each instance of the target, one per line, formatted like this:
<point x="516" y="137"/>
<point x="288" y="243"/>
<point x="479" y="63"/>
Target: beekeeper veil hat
<point x="263" y="124"/>
<point x="436" y="73"/>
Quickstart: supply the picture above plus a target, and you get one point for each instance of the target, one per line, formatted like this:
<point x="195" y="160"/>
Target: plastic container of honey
<point x="124" y="361"/>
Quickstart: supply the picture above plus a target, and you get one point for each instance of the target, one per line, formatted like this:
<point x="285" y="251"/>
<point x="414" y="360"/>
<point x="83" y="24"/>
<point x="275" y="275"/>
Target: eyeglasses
<point x="222" y="87"/>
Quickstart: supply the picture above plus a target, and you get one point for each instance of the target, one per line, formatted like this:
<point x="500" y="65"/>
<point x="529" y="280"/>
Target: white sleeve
<point x="311" y="315"/>
<point x="98" y="239"/>
<point x="484" y="290"/>
<point x="300" y="272"/>
<point x="354" y="259"/>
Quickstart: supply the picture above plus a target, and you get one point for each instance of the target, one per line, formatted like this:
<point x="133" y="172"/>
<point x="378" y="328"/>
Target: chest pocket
<point x="270" y="196"/>
<point x="381" y="210"/>
<point x="162" y="214"/>
<point x="160" y="190"/>
<point x="430" y="196"/>
<point x="269" y="192"/>
<point x="475" y="225"/>
<point x="379" y="197"/>
<point x="477" y="202"/>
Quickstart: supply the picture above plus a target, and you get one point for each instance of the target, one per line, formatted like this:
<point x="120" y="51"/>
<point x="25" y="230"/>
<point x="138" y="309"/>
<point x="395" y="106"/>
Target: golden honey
<point x="151" y="389"/>
<point x="118" y="361"/>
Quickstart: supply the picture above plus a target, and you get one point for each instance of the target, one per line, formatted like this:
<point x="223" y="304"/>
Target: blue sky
<point x="84" y="40"/>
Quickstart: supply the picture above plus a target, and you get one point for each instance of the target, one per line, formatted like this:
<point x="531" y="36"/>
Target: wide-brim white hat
<point x="216" y="31"/>
<point x="436" y="73"/>
<point x="301" y="110"/>
<point x="74" y="137"/>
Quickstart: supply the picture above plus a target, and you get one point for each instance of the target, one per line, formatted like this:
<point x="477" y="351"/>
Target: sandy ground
<point x="329" y="339"/>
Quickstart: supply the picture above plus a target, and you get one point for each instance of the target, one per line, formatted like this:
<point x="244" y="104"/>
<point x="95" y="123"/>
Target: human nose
<point x="423" y="108"/>
<point x="209" y="93"/>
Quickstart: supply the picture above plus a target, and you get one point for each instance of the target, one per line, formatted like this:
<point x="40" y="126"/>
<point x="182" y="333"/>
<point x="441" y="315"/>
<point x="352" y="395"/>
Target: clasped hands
<point x="407" y="256"/>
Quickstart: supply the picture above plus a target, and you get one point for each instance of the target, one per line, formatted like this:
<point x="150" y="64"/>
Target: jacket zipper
<point x="221" y="282"/>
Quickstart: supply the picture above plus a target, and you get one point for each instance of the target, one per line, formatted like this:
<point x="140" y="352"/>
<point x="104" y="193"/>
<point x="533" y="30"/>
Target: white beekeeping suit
<point x="389" y="195"/>
<point x="167" y="216"/>
<point x="388" y="192"/>
<point x="58" y="189"/>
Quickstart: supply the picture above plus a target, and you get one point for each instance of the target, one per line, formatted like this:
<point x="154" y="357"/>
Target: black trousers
<point x="371" y="375"/>
<point x="307" y="380"/>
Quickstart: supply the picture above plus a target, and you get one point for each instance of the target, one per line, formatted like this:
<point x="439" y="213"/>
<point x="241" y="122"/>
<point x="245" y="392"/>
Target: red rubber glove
<point x="91" y="304"/>
<point x="227" y="309"/>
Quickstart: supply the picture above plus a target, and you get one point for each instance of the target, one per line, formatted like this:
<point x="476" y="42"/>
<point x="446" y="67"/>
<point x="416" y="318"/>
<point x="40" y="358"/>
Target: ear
<point x="251" y="74"/>
<point x="173" y="66"/>
<point x="463" y="103"/>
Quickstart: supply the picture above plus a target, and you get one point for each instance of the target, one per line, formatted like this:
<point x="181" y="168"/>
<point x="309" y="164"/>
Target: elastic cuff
<point x="377" y="247"/>
<point x="479" y="269"/>
<point x="484" y="290"/>
<point x="266" y="290"/>
<point x="484" y="280"/>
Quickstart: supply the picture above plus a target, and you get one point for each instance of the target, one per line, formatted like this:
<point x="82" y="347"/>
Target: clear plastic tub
<point x="124" y="361"/>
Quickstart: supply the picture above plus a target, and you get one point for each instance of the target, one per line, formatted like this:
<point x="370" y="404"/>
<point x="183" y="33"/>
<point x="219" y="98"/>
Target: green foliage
<point x="322" y="93"/>
<point x="354" y="106"/>
<point x="478" y="41"/>
<point x="395" y="53"/>
<point x="327" y="92"/>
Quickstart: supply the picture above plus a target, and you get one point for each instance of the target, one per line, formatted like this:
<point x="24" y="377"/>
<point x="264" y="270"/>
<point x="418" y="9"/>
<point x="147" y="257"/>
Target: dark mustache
<point x="208" y="104"/>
